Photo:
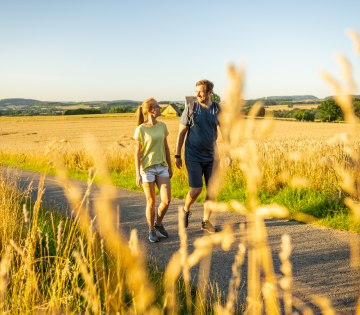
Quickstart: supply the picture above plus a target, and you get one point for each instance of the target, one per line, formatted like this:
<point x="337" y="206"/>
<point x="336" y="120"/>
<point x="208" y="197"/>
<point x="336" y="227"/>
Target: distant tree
<point x="215" y="98"/>
<point x="120" y="109"/>
<point x="309" y="115"/>
<point x="260" y="113"/>
<point x="328" y="110"/>
<point x="181" y="107"/>
<point x="357" y="107"/>
<point x="283" y="113"/>
<point x="299" y="115"/>
<point x="82" y="111"/>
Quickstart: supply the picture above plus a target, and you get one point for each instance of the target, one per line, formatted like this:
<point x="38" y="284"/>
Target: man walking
<point x="199" y="124"/>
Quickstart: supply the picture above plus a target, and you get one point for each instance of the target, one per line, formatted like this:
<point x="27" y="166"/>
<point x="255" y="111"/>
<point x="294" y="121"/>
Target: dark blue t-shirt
<point x="202" y="133"/>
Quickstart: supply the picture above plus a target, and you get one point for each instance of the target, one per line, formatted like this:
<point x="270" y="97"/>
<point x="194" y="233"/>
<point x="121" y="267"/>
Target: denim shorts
<point x="196" y="170"/>
<point x="150" y="174"/>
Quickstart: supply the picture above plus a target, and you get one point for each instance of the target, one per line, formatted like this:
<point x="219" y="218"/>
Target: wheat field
<point x="78" y="266"/>
<point x="35" y="134"/>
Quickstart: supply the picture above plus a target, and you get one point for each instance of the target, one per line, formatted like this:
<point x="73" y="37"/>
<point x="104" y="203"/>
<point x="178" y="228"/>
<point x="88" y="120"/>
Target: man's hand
<point x="178" y="162"/>
<point x="170" y="172"/>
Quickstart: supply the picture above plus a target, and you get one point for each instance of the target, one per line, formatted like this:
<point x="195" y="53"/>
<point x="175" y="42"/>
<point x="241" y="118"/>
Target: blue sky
<point x="109" y="50"/>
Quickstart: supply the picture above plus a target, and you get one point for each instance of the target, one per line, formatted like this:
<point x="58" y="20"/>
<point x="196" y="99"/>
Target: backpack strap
<point x="191" y="110"/>
<point x="217" y="108"/>
<point x="190" y="114"/>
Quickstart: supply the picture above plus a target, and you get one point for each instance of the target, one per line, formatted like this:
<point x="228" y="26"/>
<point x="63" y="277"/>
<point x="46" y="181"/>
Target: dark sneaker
<point x="187" y="215"/>
<point x="153" y="237"/>
<point x="160" y="228"/>
<point x="207" y="226"/>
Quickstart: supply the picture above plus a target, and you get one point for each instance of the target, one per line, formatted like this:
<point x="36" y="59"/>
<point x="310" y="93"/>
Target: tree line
<point x="327" y="111"/>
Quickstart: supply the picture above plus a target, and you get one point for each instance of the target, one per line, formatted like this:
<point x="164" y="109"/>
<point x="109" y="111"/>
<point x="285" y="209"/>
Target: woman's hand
<point x="138" y="180"/>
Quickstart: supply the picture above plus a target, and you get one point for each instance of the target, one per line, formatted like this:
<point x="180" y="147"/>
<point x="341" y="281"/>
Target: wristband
<point x="177" y="156"/>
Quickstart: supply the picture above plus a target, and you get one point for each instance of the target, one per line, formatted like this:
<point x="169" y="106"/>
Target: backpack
<point x="190" y="114"/>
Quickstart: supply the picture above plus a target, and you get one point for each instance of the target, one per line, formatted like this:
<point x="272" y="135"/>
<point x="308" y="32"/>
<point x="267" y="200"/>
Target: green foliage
<point x="299" y="114"/>
<point x="215" y="98"/>
<point x="328" y="110"/>
<point x="304" y="115"/>
<point x="260" y="113"/>
<point x="266" y="102"/>
<point x="309" y="115"/>
<point x="181" y="107"/>
<point x="82" y="111"/>
<point x="357" y="106"/>
<point x="121" y="109"/>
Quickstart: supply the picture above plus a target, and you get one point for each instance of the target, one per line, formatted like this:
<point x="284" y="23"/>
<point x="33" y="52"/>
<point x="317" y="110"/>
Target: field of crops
<point x="35" y="134"/>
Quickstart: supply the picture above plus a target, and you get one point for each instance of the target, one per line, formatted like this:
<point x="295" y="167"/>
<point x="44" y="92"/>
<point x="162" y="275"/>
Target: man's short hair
<point x="209" y="85"/>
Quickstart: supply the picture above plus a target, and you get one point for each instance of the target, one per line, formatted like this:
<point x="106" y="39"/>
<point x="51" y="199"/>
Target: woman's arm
<point x="137" y="162"/>
<point x="168" y="158"/>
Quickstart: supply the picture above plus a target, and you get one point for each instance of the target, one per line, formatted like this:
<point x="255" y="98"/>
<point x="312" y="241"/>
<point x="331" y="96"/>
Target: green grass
<point x="326" y="206"/>
<point x="46" y="254"/>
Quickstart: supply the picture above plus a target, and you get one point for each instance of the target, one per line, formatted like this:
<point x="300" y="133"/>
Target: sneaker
<point x="152" y="236"/>
<point x="187" y="215"/>
<point x="160" y="228"/>
<point x="207" y="226"/>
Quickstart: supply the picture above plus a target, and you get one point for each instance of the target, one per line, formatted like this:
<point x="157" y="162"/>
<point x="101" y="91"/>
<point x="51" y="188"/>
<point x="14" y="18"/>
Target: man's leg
<point x="195" y="174"/>
<point x="191" y="197"/>
<point x="206" y="225"/>
<point x="207" y="170"/>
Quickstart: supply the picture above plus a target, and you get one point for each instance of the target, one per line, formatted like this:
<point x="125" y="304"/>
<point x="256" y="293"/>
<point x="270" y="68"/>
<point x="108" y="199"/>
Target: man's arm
<point x="179" y="144"/>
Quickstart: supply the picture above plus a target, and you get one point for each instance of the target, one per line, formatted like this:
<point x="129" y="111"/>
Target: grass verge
<point x="326" y="206"/>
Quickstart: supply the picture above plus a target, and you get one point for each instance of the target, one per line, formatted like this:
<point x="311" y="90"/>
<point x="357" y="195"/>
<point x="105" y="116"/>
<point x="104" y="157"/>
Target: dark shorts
<point x="196" y="170"/>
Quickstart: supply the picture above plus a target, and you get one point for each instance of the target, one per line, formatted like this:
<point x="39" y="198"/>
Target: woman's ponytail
<point x="139" y="115"/>
<point x="144" y="109"/>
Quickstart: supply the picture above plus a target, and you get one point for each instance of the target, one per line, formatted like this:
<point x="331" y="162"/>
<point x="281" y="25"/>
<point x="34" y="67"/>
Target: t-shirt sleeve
<point x="138" y="134"/>
<point x="166" y="130"/>
<point x="184" y="120"/>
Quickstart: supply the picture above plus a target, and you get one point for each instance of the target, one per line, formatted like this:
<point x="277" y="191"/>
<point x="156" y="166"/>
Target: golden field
<point x="112" y="267"/>
<point x="35" y="134"/>
<point x="288" y="151"/>
<point x="267" y="154"/>
<point x="84" y="267"/>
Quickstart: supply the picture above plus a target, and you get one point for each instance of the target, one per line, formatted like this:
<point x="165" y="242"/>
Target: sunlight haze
<point x="116" y="50"/>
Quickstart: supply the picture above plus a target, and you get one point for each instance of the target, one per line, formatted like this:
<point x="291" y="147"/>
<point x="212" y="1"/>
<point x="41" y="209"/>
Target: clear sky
<point x="84" y="50"/>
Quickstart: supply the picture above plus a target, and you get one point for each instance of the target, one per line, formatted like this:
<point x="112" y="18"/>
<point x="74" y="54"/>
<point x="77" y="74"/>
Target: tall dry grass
<point x="86" y="265"/>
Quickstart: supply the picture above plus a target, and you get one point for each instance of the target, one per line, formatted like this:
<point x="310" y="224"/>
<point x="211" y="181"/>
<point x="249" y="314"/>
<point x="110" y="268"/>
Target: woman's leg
<point x="149" y="190"/>
<point x="163" y="183"/>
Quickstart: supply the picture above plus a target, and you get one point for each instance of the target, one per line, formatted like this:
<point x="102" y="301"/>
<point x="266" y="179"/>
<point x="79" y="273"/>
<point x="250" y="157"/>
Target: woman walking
<point x="153" y="164"/>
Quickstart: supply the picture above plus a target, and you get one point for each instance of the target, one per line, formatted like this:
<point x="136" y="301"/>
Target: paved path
<point x="320" y="256"/>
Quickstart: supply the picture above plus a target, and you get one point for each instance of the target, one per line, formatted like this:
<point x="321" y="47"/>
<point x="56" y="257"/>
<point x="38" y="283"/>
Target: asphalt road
<point x="320" y="256"/>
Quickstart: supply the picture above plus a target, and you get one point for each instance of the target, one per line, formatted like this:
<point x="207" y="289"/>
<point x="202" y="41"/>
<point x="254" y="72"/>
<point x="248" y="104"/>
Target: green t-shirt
<point x="152" y="139"/>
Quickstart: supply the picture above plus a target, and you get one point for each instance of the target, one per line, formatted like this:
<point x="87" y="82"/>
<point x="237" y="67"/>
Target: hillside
<point x="332" y="96"/>
<point x="290" y="98"/>
<point x="19" y="102"/>
<point x="31" y="102"/>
